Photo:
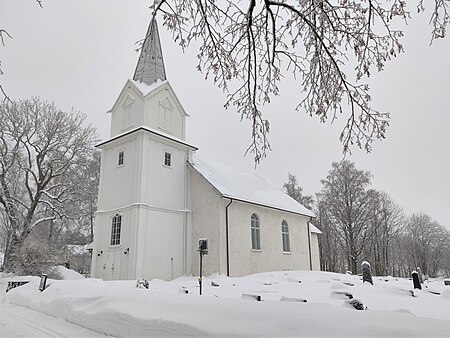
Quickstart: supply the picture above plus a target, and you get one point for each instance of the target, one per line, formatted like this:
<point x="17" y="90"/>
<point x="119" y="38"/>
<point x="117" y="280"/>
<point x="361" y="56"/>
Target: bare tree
<point x="39" y="146"/>
<point x="247" y="47"/>
<point x="292" y="188"/>
<point x="385" y="220"/>
<point x="347" y="200"/>
<point x="331" y="255"/>
<point x="427" y="244"/>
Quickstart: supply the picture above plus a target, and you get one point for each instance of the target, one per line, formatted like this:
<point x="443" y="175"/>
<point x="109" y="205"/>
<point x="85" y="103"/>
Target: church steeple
<point x="150" y="66"/>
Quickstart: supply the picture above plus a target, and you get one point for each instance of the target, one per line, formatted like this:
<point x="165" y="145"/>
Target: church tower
<point x="143" y="223"/>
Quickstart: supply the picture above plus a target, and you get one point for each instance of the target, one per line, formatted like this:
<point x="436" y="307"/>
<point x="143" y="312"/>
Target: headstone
<point x="142" y="283"/>
<point x="291" y="299"/>
<point x="416" y="282"/>
<point x="367" y="275"/>
<point x="249" y="296"/>
<point x="356" y="303"/>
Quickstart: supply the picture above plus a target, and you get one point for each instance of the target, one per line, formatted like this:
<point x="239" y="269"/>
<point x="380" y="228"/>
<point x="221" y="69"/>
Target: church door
<point x="113" y="265"/>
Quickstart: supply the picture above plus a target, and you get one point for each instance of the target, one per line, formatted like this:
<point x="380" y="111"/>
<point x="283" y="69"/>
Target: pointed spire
<point x="150" y="66"/>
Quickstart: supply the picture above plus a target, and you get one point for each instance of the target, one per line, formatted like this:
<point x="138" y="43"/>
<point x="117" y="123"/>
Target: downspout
<point x="309" y="244"/>
<point x="226" y="236"/>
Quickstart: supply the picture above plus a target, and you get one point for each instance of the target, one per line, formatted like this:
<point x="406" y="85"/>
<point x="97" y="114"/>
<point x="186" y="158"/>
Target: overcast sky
<point x="80" y="53"/>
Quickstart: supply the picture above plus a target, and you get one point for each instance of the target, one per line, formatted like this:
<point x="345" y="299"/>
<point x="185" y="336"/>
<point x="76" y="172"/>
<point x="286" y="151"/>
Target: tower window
<point x="167" y="159"/>
<point x="121" y="157"/>
<point x="115" y="229"/>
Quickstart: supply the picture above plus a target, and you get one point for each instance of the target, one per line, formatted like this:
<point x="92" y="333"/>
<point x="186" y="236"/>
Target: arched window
<point x="285" y="236"/>
<point x="115" y="229"/>
<point x="256" y="241"/>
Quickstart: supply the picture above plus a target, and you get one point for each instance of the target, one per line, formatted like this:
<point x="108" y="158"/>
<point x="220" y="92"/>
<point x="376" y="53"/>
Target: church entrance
<point x="113" y="265"/>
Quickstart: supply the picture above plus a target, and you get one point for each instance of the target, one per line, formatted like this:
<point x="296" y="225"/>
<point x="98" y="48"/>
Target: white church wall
<point x="208" y="222"/>
<point x="244" y="260"/>
<point x="164" y="236"/>
<point x="118" y="182"/>
<point x="168" y="189"/>
<point x="315" y="252"/>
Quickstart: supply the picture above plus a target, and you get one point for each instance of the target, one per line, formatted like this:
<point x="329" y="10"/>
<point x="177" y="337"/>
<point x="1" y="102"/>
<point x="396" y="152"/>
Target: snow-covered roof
<point x="150" y="130"/>
<point x="313" y="229"/>
<point x="146" y="88"/>
<point x="247" y="187"/>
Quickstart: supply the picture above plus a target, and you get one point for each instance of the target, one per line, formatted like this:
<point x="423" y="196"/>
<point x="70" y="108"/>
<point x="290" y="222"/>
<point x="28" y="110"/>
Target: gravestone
<point x="142" y="283"/>
<point x="367" y="275"/>
<point x="416" y="282"/>
<point x="356" y="303"/>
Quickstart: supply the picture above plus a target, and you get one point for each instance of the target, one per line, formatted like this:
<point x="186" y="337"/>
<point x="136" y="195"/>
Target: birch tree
<point x="39" y="146"/>
<point x="329" y="47"/>
<point x="347" y="200"/>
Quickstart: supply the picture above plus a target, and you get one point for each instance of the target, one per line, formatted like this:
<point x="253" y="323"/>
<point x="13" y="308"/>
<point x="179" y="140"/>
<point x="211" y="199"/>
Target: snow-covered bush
<point x="33" y="260"/>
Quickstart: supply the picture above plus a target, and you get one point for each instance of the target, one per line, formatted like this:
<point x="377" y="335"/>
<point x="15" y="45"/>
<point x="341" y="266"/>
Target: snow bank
<point x="119" y="308"/>
<point x="68" y="273"/>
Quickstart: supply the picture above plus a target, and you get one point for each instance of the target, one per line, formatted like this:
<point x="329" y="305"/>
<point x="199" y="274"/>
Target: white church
<point x="157" y="197"/>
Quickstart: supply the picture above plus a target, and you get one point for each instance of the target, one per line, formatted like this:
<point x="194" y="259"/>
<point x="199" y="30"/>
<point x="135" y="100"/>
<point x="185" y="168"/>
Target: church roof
<point x="151" y="131"/>
<point x="150" y="66"/>
<point x="246" y="187"/>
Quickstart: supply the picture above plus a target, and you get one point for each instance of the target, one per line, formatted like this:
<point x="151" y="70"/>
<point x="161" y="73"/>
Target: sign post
<point x="43" y="282"/>
<point x="203" y="250"/>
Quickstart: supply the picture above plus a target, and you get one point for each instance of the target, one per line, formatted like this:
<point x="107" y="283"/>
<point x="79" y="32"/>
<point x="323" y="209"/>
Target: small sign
<point x="43" y="282"/>
<point x="203" y="246"/>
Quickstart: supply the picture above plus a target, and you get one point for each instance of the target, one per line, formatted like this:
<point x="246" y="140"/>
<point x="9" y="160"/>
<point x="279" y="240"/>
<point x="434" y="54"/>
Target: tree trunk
<point x="12" y="253"/>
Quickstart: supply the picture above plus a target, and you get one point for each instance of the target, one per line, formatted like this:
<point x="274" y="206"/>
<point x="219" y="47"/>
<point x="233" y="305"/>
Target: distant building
<point x="157" y="197"/>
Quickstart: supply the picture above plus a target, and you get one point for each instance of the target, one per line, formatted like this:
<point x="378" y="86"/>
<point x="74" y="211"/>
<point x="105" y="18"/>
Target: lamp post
<point x="203" y="250"/>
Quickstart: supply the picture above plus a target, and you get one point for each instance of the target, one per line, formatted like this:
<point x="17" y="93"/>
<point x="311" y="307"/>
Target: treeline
<point x="362" y="224"/>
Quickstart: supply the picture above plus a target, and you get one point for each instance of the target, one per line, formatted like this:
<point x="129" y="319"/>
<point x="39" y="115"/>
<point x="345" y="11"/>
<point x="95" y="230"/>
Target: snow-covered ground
<point x="176" y="309"/>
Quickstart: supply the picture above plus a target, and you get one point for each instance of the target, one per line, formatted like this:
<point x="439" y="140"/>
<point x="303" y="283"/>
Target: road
<point x="17" y="321"/>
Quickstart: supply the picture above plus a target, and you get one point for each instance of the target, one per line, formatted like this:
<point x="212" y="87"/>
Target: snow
<point x="246" y="187"/>
<point x="146" y="89"/>
<point x="314" y="230"/>
<point x="119" y="308"/>
<point x="68" y="274"/>
<point x="151" y="130"/>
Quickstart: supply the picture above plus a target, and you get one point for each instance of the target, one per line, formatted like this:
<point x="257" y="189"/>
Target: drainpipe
<point x="309" y="244"/>
<point x="227" y="239"/>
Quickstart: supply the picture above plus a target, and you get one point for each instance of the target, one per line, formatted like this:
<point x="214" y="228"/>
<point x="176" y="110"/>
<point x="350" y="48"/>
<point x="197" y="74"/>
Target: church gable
<point x="155" y="106"/>
<point x="126" y="110"/>
<point x="163" y="111"/>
